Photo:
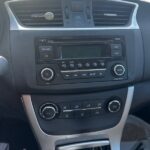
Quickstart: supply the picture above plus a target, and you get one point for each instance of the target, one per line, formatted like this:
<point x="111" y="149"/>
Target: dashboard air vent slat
<point x="111" y="13"/>
<point x="33" y="13"/>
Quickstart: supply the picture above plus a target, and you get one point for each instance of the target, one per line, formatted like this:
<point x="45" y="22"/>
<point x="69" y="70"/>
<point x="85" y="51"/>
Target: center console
<point x="80" y="113"/>
<point x="76" y="78"/>
<point x="80" y="121"/>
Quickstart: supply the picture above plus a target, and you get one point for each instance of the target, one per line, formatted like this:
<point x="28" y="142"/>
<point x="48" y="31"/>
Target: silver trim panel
<point x="15" y="25"/>
<point x="84" y="145"/>
<point x="83" y="70"/>
<point x="49" y="142"/>
<point x="74" y="110"/>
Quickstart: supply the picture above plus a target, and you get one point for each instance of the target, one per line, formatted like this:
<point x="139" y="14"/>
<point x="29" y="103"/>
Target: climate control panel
<point x="79" y="110"/>
<point x="82" y="112"/>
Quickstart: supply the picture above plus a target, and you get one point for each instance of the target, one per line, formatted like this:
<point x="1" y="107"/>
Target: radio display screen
<point x="85" y="51"/>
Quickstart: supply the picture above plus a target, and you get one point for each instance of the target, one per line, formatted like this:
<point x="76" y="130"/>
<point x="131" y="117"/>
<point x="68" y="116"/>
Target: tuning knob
<point x="114" y="106"/>
<point x="48" y="111"/>
<point x="47" y="74"/>
<point x="119" y="70"/>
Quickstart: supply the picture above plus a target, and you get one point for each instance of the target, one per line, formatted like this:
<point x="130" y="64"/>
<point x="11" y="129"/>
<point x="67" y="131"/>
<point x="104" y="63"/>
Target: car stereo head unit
<point x="80" y="60"/>
<point x="49" y="50"/>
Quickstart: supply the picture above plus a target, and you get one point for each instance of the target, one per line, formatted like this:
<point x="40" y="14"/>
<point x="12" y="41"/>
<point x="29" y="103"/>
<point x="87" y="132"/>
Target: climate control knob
<point x="119" y="70"/>
<point x="48" y="111"/>
<point x="114" y="106"/>
<point x="47" y="74"/>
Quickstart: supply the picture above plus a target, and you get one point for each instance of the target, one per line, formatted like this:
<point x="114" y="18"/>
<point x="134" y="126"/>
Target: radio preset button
<point x="72" y="66"/>
<point x="87" y="65"/>
<point x="95" y="64"/>
<point x="47" y="74"/>
<point x="79" y="65"/>
<point x="63" y="66"/>
<point x="102" y="64"/>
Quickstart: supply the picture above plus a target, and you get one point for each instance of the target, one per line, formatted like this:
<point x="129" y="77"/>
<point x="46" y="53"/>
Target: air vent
<point x="45" y="13"/>
<point x="111" y="13"/>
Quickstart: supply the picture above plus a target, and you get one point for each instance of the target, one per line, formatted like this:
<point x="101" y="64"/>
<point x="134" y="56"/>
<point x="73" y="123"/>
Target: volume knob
<point x="47" y="74"/>
<point x="119" y="70"/>
<point x="48" y="111"/>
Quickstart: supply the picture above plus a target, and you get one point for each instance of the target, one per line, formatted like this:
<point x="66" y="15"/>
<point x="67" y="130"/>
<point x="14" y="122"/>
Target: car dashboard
<point x="77" y="66"/>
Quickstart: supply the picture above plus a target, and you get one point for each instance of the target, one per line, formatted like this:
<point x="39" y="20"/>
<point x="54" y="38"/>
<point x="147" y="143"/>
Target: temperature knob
<point x="114" y="106"/>
<point x="48" y="111"/>
<point x="47" y="74"/>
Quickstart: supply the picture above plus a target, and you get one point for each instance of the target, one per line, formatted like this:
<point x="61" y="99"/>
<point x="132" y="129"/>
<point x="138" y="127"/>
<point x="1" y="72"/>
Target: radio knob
<point x="48" y="111"/>
<point x="114" y="106"/>
<point x="119" y="70"/>
<point x="47" y="74"/>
